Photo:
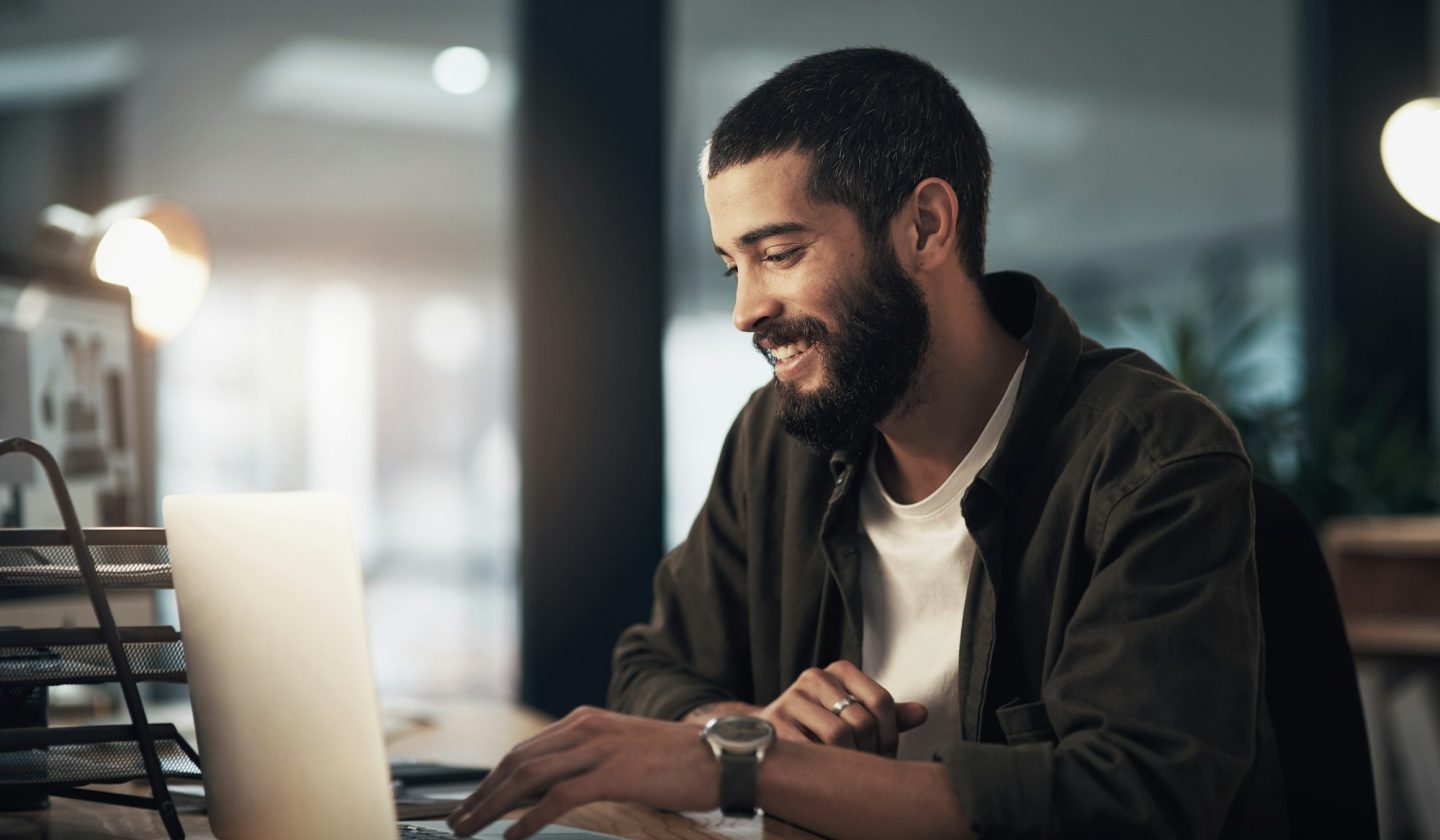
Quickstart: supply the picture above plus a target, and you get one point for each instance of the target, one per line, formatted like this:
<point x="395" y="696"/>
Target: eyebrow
<point x="765" y="232"/>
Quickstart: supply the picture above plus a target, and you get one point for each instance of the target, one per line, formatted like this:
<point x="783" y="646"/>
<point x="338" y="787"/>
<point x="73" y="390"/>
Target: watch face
<point x="742" y="733"/>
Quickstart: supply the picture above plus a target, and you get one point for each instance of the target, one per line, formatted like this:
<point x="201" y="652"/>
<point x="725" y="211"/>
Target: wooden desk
<point x="472" y="733"/>
<point x="1387" y="575"/>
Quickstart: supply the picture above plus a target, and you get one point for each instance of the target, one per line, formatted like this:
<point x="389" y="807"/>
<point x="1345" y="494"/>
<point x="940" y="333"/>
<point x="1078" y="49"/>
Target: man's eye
<point x="730" y="272"/>
<point x="782" y="257"/>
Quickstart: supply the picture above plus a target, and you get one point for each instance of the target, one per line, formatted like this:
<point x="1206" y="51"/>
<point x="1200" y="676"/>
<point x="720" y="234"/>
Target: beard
<point x="869" y="361"/>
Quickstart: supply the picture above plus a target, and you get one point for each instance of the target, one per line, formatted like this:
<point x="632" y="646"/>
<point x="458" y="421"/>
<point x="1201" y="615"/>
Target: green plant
<point x="1335" y="455"/>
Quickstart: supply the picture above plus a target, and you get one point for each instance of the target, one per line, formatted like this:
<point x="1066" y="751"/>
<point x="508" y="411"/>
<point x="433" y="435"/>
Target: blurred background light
<point x="383" y="84"/>
<point x="30" y="307"/>
<point x="447" y="331"/>
<point x="341" y="393"/>
<point x="1410" y="149"/>
<point x="152" y="246"/>
<point x="129" y="251"/>
<point x="461" y="70"/>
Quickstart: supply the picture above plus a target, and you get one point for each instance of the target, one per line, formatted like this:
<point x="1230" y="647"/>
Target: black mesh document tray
<point x="49" y="757"/>
<point x="131" y="558"/>
<point x="63" y="761"/>
<point x="76" y="655"/>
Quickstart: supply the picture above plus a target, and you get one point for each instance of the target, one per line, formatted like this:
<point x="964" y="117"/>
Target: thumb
<point x="910" y="715"/>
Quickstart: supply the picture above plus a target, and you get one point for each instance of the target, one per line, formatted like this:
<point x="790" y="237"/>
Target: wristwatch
<point x="739" y="743"/>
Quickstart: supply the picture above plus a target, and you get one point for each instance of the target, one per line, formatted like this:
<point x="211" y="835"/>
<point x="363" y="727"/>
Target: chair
<point x="1310" y="682"/>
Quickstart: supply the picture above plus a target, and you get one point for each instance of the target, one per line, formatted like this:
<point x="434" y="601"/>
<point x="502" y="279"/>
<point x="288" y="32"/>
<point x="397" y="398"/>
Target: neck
<point x="957" y="389"/>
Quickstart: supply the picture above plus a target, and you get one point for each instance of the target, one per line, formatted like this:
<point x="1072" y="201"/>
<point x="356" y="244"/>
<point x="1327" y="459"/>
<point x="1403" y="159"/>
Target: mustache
<point x="788" y="331"/>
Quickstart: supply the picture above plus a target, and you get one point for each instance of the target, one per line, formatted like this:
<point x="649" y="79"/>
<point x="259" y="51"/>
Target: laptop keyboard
<point x="417" y="832"/>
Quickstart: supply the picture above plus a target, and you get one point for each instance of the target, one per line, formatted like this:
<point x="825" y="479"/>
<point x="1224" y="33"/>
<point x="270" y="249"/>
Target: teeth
<point x="783" y="353"/>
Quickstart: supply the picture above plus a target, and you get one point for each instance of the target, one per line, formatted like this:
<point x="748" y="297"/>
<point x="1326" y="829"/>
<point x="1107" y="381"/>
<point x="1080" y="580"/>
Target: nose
<point x="754" y="304"/>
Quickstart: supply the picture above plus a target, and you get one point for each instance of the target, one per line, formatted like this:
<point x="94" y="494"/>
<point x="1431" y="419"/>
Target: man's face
<point x="841" y="323"/>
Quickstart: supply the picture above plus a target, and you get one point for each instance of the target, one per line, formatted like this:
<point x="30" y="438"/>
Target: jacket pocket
<point x="1025" y="723"/>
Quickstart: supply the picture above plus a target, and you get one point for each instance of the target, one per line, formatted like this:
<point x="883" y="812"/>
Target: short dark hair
<point x="875" y="122"/>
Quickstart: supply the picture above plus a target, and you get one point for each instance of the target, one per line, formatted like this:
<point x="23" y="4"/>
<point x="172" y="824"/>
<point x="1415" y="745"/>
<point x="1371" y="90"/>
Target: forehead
<point x="768" y="190"/>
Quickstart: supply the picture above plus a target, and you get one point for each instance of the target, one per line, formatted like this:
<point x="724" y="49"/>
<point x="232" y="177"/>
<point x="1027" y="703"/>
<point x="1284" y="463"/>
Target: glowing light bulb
<point x="167" y="300"/>
<point x="1410" y="150"/>
<point x="131" y="251"/>
<point x="166" y="285"/>
<point x="460" y="70"/>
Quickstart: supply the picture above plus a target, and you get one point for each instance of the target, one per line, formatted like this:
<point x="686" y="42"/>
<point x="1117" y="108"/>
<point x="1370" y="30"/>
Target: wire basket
<point x="59" y="761"/>
<point x="53" y="757"/>
<point x="74" y="656"/>
<point x="130" y="558"/>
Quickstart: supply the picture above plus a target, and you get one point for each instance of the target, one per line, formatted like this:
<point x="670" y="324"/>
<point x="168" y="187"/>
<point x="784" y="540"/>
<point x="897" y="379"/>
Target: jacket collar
<point x="1030" y="312"/>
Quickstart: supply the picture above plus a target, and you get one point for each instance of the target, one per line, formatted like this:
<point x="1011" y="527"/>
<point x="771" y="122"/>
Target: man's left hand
<point x="594" y="755"/>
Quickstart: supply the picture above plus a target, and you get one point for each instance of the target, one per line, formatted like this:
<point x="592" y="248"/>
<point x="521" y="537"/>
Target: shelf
<point x="48" y="760"/>
<point x="130" y="558"/>
<point x="78" y="655"/>
<point x="1390" y="636"/>
<point x="49" y="757"/>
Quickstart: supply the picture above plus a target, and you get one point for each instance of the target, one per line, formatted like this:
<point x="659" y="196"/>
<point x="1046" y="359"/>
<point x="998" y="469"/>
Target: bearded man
<point x="961" y="570"/>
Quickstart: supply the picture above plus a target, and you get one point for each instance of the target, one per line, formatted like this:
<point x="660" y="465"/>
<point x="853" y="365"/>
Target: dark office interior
<point x="454" y="262"/>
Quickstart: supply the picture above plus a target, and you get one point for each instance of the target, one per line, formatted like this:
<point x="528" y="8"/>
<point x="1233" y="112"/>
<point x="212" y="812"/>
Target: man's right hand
<point x="803" y="713"/>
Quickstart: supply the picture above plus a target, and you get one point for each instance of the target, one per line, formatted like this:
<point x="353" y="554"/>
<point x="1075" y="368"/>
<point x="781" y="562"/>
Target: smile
<point x="789" y="351"/>
<point x="793" y="361"/>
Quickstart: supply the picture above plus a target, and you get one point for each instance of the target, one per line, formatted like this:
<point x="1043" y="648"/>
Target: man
<point x="975" y="573"/>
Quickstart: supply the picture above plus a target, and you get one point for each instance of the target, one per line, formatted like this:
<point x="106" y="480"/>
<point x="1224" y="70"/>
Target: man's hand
<point x="594" y="755"/>
<point x="803" y="713"/>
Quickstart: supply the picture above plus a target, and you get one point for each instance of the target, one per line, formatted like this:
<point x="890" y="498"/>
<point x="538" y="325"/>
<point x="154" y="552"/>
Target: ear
<point x="929" y="233"/>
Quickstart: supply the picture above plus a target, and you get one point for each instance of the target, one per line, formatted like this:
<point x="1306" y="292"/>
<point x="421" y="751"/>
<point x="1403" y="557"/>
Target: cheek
<point x="819" y="290"/>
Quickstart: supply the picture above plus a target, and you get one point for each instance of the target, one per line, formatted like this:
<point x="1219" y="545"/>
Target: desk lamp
<point x="152" y="246"/>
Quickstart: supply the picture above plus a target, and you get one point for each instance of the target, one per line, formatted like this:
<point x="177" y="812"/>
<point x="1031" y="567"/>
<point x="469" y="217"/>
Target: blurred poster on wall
<point x="67" y="381"/>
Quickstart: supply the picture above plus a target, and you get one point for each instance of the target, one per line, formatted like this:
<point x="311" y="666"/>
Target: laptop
<point x="287" y="721"/>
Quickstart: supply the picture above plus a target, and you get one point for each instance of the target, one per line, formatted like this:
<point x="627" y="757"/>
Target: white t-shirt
<point x="914" y="573"/>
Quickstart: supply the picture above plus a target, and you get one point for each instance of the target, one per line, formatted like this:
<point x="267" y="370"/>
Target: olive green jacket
<point x="1112" y="658"/>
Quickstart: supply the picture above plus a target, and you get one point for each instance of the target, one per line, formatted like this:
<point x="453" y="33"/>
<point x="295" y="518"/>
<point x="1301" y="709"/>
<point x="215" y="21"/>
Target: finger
<point x="815" y="683"/>
<point x="523" y="782"/>
<point x="785" y="730"/>
<point x="863" y="726"/>
<point x="797" y="705"/>
<point x="854" y="716"/>
<point x="877" y="700"/>
<point x="824" y="724"/>
<point x="826" y="689"/>
<point x="561" y="798"/>
<point x="566" y="733"/>
<point x="910" y="715"/>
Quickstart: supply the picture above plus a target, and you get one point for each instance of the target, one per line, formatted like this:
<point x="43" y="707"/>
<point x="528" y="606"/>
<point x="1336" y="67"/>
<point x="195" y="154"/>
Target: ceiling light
<point x="460" y="70"/>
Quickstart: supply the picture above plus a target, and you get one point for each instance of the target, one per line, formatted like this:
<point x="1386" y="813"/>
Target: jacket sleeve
<point x="695" y="648"/>
<point x="1154" y="696"/>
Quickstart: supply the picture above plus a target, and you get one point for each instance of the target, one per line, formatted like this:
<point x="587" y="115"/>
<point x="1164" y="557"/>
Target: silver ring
<point x="844" y="703"/>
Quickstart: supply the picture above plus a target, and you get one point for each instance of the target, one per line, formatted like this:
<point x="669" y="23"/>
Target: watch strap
<point x="739" y="780"/>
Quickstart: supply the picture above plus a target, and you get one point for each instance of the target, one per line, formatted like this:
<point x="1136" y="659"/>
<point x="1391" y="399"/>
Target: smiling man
<point x="961" y="570"/>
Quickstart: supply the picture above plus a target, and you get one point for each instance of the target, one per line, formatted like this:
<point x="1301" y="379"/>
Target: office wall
<point x="359" y="332"/>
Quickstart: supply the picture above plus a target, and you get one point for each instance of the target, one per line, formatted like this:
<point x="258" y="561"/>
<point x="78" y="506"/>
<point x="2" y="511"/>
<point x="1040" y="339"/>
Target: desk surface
<point x="474" y="733"/>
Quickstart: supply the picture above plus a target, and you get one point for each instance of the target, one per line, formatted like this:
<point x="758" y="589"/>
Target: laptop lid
<point x="272" y="617"/>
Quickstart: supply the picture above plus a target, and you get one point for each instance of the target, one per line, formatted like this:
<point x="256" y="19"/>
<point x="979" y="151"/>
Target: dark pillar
<point x="591" y="297"/>
<point x="1365" y="251"/>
